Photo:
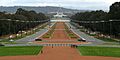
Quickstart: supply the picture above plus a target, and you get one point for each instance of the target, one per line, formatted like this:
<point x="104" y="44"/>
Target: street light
<point x="110" y="27"/>
<point x="21" y="27"/>
<point x="103" y="25"/>
<point x="9" y="27"/>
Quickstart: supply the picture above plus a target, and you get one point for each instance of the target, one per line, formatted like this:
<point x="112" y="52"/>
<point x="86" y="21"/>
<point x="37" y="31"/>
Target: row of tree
<point x="104" y="22"/>
<point x="19" y="21"/>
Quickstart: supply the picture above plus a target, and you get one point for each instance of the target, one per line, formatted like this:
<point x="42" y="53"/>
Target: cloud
<point x="77" y="4"/>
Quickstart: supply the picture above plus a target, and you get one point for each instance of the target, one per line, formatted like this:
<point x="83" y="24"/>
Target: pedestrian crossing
<point x="60" y="40"/>
<point x="46" y="44"/>
<point x="57" y="44"/>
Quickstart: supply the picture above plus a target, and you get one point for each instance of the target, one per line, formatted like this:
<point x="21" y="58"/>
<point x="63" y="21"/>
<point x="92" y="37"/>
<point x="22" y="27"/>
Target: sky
<point x="74" y="4"/>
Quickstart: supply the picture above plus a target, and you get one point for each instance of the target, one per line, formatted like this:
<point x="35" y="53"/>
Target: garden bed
<point x="69" y="32"/>
<point x="50" y="32"/>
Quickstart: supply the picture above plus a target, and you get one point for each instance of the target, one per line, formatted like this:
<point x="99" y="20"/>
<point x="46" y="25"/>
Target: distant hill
<point x="46" y="10"/>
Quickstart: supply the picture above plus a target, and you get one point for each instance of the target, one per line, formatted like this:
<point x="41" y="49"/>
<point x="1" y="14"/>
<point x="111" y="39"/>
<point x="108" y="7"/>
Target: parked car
<point x="82" y="40"/>
<point x="38" y="39"/>
<point x="2" y="44"/>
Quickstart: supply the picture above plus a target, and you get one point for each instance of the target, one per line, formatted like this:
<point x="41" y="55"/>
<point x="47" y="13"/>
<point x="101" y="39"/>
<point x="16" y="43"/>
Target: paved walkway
<point x="59" y="53"/>
<point x="60" y="34"/>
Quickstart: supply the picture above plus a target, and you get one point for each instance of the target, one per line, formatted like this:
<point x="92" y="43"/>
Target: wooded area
<point x="104" y="22"/>
<point x="20" y="21"/>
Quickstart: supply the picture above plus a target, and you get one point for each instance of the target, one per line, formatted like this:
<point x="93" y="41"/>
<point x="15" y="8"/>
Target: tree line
<point x="20" y="21"/>
<point x="104" y="22"/>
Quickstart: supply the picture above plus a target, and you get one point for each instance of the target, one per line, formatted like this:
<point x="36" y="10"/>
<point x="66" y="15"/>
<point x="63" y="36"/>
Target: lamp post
<point x="2" y="25"/>
<point x="26" y="24"/>
<point x="49" y="24"/>
<point x="21" y="27"/>
<point x="110" y="27"/>
<point x="9" y="28"/>
<point x="31" y="31"/>
<point x="15" y="28"/>
<point x="103" y="25"/>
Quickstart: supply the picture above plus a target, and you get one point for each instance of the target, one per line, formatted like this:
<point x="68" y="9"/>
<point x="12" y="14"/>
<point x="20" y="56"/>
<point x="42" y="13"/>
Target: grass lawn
<point x="72" y="35"/>
<point x="47" y="36"/>
<point x="20" y="50"/>
<point x="99" y="51"/>
<point x="107" y="39"/>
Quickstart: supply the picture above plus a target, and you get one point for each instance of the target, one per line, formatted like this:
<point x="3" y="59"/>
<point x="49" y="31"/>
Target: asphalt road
<point x="33" y="37"/>
<point x="88" y="38"/>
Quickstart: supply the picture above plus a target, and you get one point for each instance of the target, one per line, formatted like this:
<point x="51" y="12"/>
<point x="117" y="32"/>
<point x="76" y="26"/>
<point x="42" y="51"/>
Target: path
<point x="59" y="33"/>
<point x="59" y="53"/>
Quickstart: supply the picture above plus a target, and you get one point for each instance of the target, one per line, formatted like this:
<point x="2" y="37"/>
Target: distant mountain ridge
<point x="46" y="9"/>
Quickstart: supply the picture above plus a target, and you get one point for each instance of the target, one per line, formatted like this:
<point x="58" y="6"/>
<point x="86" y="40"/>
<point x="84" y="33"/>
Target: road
<point x="88" y="38"/>
<point x="34" y="36"/>
<point x="31" y="37"/>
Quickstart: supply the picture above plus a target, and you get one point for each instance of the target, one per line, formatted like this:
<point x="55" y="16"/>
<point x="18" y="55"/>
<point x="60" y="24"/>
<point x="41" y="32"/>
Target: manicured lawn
<point x="20" y="50"/>
<point x="72" y="35"/>
<point x="47" y="35"/>
<point x="99" y="51"/>
<point x="107" y="39"/>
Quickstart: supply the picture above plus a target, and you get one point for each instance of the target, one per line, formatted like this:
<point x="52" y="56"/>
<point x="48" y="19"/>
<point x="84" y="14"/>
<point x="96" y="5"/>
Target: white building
<point x="59" y="15"/>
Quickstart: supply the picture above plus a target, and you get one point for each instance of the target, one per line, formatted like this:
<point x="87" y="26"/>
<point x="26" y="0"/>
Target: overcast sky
<point x="75" y="4"/>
